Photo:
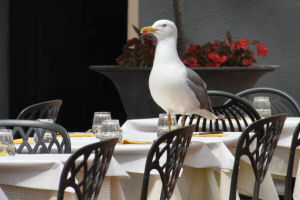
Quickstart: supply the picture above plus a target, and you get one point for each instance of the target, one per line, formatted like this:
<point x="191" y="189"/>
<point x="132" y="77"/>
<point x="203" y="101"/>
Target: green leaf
<point x="229" y="37"/>
<point x="137" y="30"/>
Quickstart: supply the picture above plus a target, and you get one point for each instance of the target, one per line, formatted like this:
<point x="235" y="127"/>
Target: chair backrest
<point x="237" y="111"/>
<point x="28" y="128"/>
<point x="166" y="155"/>
<point x="88" y="186"/>
<point x="288" y="194"/>
<point x="280" y="101"/>
<point x="257" y="142"/>
<point x="42" y="110"/>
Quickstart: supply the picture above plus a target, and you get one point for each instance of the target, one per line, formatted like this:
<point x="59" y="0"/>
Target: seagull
<point x="174" y="87"/>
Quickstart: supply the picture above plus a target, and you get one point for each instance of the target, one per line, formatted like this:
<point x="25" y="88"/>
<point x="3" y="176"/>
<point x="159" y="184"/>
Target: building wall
<point x="4" y="58"/>
<point x="274" y="22"/>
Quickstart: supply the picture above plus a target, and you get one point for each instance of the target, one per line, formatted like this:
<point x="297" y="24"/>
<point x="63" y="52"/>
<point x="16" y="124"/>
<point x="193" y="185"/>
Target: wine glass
<point x="6" y="142"/>
<point x="262" y="106"/>
<point x="47" y="135"/>
<point x="163" y="126"/>
<point x="99" y="117"/>
<point x="110" y="129"/>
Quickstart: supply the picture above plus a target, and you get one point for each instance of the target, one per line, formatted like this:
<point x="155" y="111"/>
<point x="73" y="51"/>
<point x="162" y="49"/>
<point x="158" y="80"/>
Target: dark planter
<point x="132" y="84"/>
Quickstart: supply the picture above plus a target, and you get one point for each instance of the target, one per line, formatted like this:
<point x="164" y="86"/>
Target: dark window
<point x="52" y="44"/>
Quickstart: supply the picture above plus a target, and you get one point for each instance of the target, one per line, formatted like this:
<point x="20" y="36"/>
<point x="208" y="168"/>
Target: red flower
<point x="262" y="50"/>
<point x="247" y="62"/>
<point x="139" y="51"/>
<point x="192" y="62"/>
<point x="215" y="44"/>
<point x="212" y="55"/>
<point x="223" y="59"/>
<point x="216" y="58"/>
<point x="209" y="64"/>
<point x="224" y="53"/>
<point x="242" y="44"/>
<point x="193" y="48"/>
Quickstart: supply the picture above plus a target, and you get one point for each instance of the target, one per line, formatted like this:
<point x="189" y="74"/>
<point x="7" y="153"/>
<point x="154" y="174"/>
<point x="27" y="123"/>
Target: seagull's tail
<point x="220" y="116"/>
<point x="209" y="115"/>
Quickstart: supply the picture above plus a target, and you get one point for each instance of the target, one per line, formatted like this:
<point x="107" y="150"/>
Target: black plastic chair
<point x="27" y="128"/>
<point x="258" y="142"/>
<point x="166" y="156"/>
<point x="87" y="187"/>
<point x="237" y="111"/>
<point x="280" y="101"/>
<point x="288" y="194"/>
<point x="42" y="110"/>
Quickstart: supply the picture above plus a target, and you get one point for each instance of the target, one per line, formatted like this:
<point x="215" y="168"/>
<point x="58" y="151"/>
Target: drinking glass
<point x="6" y="142"/>
<point x="262" y="106"/>
<point x="47" y="135"/>
<point x="99" y="117"/>
<point x="163" y="126"/>
<point x="110" y="129"/>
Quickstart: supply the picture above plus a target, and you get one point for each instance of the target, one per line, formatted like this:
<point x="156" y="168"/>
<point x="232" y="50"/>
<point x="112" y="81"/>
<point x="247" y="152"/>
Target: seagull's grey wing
<point x="198" y="86"/>
<point x="195" y="78"/>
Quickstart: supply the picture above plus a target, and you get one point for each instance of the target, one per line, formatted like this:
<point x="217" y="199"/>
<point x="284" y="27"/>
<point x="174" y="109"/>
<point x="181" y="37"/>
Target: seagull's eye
<point x="164" y="25"/>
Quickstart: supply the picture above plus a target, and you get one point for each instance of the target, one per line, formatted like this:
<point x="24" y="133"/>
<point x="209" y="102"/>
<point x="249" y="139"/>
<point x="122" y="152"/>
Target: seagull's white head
<point x="162" y="29"/>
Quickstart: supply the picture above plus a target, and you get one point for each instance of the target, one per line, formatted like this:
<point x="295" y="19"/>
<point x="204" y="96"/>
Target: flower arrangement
<point x="140" y="52"/>
<point x="222" y="53"/>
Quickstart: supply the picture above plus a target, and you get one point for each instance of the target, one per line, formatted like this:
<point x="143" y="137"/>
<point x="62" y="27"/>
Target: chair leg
<point x="256" y="191"/>
<point x="162" y="195"/>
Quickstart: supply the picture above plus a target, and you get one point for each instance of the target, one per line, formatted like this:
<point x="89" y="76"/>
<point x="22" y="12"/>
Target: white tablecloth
<point x="28" y="176"/>
<point x="27" y="170"/>
<point x="215" y="153"/>
<point x="205" y="154"/>
<point x="207" y="167"/>
<point x="137" y="126"/>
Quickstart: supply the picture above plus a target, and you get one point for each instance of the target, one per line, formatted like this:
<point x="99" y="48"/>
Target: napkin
<point x="4" y="152"/>
<point x="20" y="141"/>
<point x="135" y="142"/>
<point x="81" y="135"/>
<point x="210" y="135"/>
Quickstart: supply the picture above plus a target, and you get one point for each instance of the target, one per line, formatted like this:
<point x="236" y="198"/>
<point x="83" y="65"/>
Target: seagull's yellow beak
<point x="148" y="29"/>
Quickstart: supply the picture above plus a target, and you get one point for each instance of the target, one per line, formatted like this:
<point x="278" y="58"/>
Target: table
<point x="36" y="176"/>
<point x="206" y="172"/>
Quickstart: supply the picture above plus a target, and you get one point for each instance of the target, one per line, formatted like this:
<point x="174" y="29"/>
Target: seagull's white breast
<point x="170" y="91"/>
